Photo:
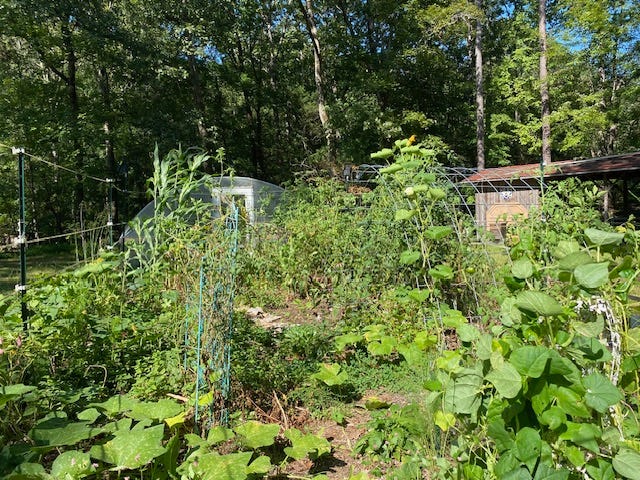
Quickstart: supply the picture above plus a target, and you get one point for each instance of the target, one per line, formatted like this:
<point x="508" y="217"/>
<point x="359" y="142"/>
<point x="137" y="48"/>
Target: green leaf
<point x="583" y="434"/>
<point x="548" y="472"/>
<point x="160" y="410"/>
<point x="219" y="434"/>
<point x="554" y="417"/>
<point x="572" y="403"/>
<point x="565" y="247"/>
<point x="374" y="403"/>
<point x="441" y="272"/>
<point x="261" y="465"/>
<point x="522" y="268"/>
<point x="409" y="257"/>
<point x="169" y="459"/>
<point x="132" y="449"/>
<point x="631" y="364"/>
<point x="444" y="420"/>
<point x="453" y="318"/>
<point x="510" y="315"/>
<point x="601" y="393"/>
<point x="383" y="154"/>
<point x="473" y="472"/>
<point x="176" y="420"/>
<point x="28" y="471"/>
<point x="600" y="470"/>
<point x="484" y="346"/>
<point x="601" y="238"/>
<point x="331" y="374"/>
<point x="97" y="266"/>
<point x="412" y="354"/>
<point x="503" y="439"/>
<point x="538" y="303"/>
<point x="12" y="392"/>
<point x="573" y="260"/>
<point x="57" y="431"/>
<point x="592" y="275"/>
<point x="438" y="232"/>
<point x="71" y="465"/>
<point x="424" y="339"/>
<point x="419" y="294"/>
<point x="404" y="214"/>
<point x="115" y="405"/>
<point x="462" y="394"/>
<point x="303" y="445"/>
<point x="255" y="434"/>
<point x="627" y="463"/>
<point x="341" y="341"/>
<point x="449" y="361"/>
<point x="89" y="415"/>
<point x="383" y="346"/>
<point x="508" y="466"/>
<point x="589" y="329"/>
<point x="506" y="379"/>
<point x="122" y="425"/>
<point x="574" y="454"/>
<point x="436" y="194"/>
<point x="529" y="360"/>
<point x="528" y="447"/>
<point x="468" y="333"/>
<point x="213" y="466"/>
<point x="560" y="365"/>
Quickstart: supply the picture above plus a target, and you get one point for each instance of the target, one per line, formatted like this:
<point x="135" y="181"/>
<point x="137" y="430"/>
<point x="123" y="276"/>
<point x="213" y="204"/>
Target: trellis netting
<point x="208" y="324"/>
<point x="192" y="225"/>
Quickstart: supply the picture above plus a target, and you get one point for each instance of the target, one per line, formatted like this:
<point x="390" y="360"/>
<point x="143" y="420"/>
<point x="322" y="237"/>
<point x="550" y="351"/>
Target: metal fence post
<point x="22" y="239"/>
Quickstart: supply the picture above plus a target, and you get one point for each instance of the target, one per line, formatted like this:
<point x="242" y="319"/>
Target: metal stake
<point x="22" y="239"/>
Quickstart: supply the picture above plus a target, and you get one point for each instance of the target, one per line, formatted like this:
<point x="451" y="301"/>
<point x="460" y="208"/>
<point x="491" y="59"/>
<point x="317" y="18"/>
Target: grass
<point x="42" y="260"/>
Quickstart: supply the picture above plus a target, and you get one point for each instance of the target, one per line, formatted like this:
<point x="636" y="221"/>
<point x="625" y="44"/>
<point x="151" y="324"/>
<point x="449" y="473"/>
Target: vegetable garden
<point x="465" y="358"/>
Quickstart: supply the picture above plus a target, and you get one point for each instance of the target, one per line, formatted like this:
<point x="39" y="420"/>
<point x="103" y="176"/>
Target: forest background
<point x="290" y="87"/>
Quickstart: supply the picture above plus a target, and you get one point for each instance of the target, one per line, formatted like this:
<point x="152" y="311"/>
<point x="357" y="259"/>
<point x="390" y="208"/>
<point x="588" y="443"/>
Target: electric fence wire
<point x="84" y="175"/>
<point x="4" y="248"/>
<point x="71" y="234"/>
<point x="78" y="173"/>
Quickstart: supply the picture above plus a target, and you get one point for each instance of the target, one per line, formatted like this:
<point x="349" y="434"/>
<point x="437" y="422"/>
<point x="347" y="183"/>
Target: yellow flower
<point x="411" y="140"/>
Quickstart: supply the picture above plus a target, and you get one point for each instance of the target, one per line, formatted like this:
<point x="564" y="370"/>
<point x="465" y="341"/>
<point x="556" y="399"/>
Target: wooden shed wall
<point x="496" y="210"/>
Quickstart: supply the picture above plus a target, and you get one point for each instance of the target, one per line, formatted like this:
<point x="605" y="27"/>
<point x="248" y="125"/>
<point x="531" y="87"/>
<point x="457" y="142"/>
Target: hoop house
<point x="255" y="199"/>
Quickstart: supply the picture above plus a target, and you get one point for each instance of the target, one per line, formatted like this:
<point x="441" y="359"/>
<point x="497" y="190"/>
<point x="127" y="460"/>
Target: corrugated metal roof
<point x="613" y="166"/>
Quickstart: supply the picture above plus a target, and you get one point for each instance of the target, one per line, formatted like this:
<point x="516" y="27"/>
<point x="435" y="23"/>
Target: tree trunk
<point x="480" y="125"/>
<point x="109" y="151"/>
<point x="74" y="106"/>
<point x="544" y="84"/>
<point x="198" y="101"/>
<point x="306" y="7"/>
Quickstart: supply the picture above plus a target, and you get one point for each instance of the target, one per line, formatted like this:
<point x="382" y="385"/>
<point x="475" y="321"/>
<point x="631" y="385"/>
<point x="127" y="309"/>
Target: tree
<point x="544" y="83"/>
<point x="306" y="8"/>
<point x="448" y="20"/>
<point x="479" y="76"/>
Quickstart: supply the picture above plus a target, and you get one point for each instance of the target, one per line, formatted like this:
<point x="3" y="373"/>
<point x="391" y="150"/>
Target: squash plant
<point x="152" y="439"/>
<point x="551" y="391"/>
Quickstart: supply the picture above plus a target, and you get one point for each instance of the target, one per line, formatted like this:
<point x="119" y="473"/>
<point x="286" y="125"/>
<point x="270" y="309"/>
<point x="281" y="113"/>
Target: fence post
<point x="110" y="182"/>
<point x="22" y="239"/>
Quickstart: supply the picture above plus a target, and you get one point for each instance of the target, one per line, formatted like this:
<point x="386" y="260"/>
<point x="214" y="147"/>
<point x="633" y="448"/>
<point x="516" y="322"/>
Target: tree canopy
<point x="286" y="87"/>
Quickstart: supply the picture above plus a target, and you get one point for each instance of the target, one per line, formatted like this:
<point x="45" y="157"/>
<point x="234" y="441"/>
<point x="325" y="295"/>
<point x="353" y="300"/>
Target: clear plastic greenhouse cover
<point x="256" y="199"/>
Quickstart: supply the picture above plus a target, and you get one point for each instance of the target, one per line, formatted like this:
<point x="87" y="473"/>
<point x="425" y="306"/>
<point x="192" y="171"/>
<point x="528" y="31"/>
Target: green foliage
<point x="542" y="383"/>
<point x="396" y="433"/>
<point x="535" y="378"/>
<point x="125" y="435"/>
<point x="306" y="445"/>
